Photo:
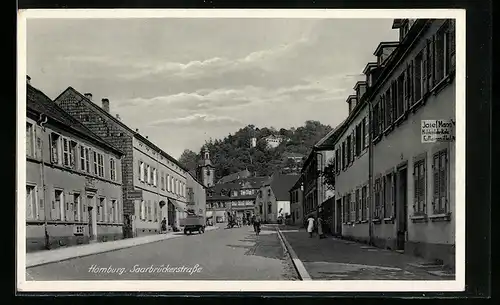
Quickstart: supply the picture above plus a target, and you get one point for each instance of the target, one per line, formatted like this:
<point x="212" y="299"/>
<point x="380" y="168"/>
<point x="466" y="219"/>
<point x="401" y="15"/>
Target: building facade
<point x="154" y="183"/>
<point x="196" y="196"/>
<point x="73" y="180"/>
<point x="273" y="200"/>
<point x="273" y="141"/>
<point x="296" y="197"/>
<point x="396" y="188"/>
<point x="236" y="197"/>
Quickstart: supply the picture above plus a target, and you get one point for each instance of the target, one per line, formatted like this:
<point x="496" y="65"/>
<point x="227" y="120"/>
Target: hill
<point x="234" y="152"/>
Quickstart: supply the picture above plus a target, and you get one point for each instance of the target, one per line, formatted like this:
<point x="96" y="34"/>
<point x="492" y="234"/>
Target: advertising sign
<point x="433" y="131"/>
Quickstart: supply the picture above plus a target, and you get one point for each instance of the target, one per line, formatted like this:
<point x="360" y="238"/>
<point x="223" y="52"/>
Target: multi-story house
<point x="273" y="141"/>
<point x="273" y="200"/>
<point x="73" y="179"/>
<point x="236" y="197"/>
<point x="296" y="197"/>
<point x="196" y="196"/>
<point x="396" y="188"/>
<point x="154" y="183"/>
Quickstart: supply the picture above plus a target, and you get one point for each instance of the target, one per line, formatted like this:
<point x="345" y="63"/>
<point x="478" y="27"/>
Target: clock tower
<point x="205" y="170"/>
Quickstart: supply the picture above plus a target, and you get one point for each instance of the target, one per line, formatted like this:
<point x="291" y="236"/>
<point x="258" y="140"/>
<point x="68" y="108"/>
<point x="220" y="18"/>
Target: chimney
<point x="105" y="104"/>
<point x="28" y="79"/>
<point x="137" y="130"/>
<point x="88" y="95"/>
<point x="118" y="117"/>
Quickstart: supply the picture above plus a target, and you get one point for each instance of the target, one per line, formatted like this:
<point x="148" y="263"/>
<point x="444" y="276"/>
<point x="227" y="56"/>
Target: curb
<point x="297" y="263"/>
<point x="42" y="261"/>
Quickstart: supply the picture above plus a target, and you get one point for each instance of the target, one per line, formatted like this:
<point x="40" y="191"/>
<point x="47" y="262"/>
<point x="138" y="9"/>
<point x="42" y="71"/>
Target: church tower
<point x="205" y="170"/>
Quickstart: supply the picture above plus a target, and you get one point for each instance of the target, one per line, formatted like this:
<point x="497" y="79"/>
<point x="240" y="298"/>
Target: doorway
<point x="90" y="208"/>
<point x="338" y="218"/>
<point x="170" y="214"/>
<point x="402" y="207"/>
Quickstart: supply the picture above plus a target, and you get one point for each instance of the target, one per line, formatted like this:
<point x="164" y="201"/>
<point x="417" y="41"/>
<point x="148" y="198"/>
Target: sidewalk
<point x="336" y="259"/>
<point x="56" y="255"/>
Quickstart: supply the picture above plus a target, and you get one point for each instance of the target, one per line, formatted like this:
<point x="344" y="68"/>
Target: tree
<point x="328" y="173"/>
<point x="189" y="159"/>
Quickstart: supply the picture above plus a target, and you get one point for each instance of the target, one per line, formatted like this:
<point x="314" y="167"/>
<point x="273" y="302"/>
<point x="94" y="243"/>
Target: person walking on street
<point x="256" y="225"/>
<point x="164" y="225"/>
<point x="320" y="228"/>
<point x="310" y="226"/>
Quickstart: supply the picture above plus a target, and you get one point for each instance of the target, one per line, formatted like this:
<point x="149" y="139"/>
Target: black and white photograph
<point x="241" y="150"/>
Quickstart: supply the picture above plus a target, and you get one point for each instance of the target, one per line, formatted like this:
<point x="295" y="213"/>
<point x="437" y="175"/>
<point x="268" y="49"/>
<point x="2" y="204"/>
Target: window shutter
<point x="353" y="144"/>
<point x="424" y="67"/>
<point x="422" y="188"/>
<point x="415" y="188"/>
<point x="451" y="44"/>
<point x="431" y="59"/>
<point x="394" y="194"/>
<point x="443" y="181"/>
<point x="51" y="149"/>
<point x="436" y="184"/>
<point x="367" y="130"/>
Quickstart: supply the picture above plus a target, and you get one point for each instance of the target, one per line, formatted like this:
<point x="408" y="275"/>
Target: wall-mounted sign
<point x="134" y="195"/>
<point x="78" y="230"/>
<point x="90" y="183"/>
<point x="433" y="131"/>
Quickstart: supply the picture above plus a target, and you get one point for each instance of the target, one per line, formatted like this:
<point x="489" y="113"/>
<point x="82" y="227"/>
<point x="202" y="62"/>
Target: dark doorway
<point x="402" y="207"/>
<point x="338" y="217"/>
<point x="171" y="214"/>
<point x="90" y="201"/>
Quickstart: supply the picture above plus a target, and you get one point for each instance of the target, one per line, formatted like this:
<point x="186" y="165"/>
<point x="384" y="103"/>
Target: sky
<point x="184" y="81"/>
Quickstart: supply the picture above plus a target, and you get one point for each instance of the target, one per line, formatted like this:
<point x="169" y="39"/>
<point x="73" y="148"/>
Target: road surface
<point x="224" y="254"/>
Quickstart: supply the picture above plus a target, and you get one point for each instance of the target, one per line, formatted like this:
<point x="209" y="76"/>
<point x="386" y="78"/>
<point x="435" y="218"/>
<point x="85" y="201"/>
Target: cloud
<point x="198" y="120"/>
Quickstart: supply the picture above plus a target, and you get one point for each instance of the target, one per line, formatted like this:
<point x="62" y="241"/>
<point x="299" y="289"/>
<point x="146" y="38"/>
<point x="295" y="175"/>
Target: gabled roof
<point x="120" y="123"/>
<point x="297" y="184"/>
<point x="325" y="142"/>
<point x="37" y="101"/>
<point x="281" y="185"/>
<point x="235" y="176"/>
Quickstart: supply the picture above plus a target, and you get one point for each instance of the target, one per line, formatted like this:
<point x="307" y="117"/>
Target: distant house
<point x="296" y="200"/>
<point x="294" y="156"/>
<point x="273" y="141"/>
<point x="237" y="196"/>
<point x="273" y="199"/>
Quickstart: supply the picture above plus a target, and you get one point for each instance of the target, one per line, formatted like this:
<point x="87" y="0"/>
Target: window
<point x="389" y="193"/>
<point x="30" y="143"/>
<point x="155" y="206"/>
<point x="113" y="215"/>
<point x="377" y="212"/>
<point x="359" y="138"/>
<point x="141" y="171"/>
<point x="260" y="209"/>
<point x="418" y="78"/>
<point x="269" y="208"/>
<point x="100" y="165"/>
<point x="142" y="210"/>
<point x="112" y="169"/>
<point x="148" y="174"/>
<point x="57" y="205"/>
<point x="66" y="149"/>
<point x="77" y="207"/>
<point x="440" y="183"/>
<point x="442" y="56"/>
<point x="364" y="203"/>
<point x="54" y="148"/>
<point x="84" y="159"/>
<point x="162" y="182"/>
<point x="375" y="119"/>
<point x="419" y="187"/>
<point x="358" y="205"/>
<point x="400" y="108"/>
<point x="386" y="99"/>
<point x="69" y="210"/>
<point x="344" y="156"/>
<point x="101" y="210"/>
<point x="450" y="38"/>
<point x="149" y="211"/>
<point x="154" y="176"/>
<point x="349" y="150"/>
<point x="31" y="208"/>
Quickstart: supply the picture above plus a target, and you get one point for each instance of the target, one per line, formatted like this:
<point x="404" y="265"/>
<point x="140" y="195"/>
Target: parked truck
<point x="193" y="223"/>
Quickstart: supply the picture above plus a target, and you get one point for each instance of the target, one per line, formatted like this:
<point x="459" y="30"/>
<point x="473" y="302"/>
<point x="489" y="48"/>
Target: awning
<point x="181" y="207"/>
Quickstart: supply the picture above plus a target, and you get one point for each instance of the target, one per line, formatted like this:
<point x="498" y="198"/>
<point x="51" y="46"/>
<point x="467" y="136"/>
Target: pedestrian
<point x="256" y="225"/>
<point x="320" y="228"/>
<point x="164" y="225"/>
<point x="310" y="226"/>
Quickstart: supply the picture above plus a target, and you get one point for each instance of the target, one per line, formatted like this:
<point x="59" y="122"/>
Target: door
<point x="90" y="208"/>
<point x="402" y="207"/>
<point x="338" y="217"/>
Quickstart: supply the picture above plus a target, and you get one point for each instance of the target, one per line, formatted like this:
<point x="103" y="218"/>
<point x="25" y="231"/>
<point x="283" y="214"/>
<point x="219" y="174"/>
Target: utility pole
<point x="370" y="171"/>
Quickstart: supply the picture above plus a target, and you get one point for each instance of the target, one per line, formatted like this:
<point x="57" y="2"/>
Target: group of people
<point x="313" y="224"/>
